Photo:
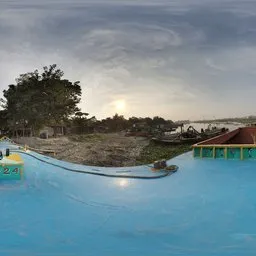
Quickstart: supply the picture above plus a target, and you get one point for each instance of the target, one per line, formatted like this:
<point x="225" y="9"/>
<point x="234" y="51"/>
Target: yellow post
<point x="201" y="152"/>
<point x="226" y="152"/>
<point x="241" y="153"/>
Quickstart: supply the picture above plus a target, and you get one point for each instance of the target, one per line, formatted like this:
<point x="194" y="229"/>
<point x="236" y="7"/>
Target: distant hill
<point x="182" y="122"/>
<point x="245" y="120"/>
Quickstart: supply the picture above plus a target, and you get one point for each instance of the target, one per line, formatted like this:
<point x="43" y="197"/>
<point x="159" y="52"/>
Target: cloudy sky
<point x="180" y="59"/>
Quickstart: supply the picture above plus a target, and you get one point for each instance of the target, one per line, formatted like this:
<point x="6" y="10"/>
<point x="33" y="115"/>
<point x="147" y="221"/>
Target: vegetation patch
<point x="154" y="152"/>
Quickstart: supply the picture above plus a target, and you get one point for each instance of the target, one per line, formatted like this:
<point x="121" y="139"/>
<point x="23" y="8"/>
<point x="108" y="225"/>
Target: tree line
<point x="46" y="98"/>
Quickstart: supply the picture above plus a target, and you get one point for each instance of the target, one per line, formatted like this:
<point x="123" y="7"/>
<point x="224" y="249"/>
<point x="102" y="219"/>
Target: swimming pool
<point x="208" y="207"/>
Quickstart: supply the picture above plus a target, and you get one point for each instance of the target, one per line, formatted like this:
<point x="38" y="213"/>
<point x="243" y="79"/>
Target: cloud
<point x="180" y="59"/>
<point x="210" y="63"/>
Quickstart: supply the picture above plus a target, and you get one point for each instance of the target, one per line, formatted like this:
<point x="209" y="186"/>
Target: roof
<point x="242" y="135"/>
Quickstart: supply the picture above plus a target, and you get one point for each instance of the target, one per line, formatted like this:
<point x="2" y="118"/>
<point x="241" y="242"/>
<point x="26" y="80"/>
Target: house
<point x="48" y="131"/>
<point x="20" y="131"/>
<point x="141" y="125"/>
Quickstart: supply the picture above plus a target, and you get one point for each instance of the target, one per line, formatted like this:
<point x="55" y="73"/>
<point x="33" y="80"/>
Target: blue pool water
<point x="208" y="207"/>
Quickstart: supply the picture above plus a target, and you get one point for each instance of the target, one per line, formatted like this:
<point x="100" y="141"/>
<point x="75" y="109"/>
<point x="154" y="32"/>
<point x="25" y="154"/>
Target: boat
<point x="237" y="144"/>
<point x="11" y="167"/>
<point x="190" y="136"/>
<point x="251" y="125"/>
<point x="177" y="141"/>
<point x="212" y="131"/>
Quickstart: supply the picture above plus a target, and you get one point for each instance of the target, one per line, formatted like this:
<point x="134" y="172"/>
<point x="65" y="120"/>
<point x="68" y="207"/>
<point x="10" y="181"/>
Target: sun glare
<point x="120" y="105"/>
<point x="122" y="183"/>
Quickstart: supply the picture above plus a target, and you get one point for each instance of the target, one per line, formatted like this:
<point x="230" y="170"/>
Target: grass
<point x="154" y="152"/>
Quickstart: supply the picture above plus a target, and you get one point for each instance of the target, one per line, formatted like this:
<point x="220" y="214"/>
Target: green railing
<point x="225" y="151"/>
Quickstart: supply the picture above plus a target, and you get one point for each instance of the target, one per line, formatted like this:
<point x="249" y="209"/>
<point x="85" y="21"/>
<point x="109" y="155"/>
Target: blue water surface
<point x="208" y="207"/>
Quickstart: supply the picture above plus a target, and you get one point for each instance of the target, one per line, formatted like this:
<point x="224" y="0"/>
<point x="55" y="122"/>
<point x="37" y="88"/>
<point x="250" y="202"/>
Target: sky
<point x="179" y="59"/>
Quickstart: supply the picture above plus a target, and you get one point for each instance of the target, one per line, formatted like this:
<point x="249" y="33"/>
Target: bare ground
<point x="92" y="149"/>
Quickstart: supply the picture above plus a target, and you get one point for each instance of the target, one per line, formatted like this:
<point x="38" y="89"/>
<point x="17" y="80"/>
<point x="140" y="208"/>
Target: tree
<point x="116" y="123"/>
<point x="39" y="99"/>
<point x="3" y="121"/>
<point x="81" y="123"/>
<point x="158" y="120"/>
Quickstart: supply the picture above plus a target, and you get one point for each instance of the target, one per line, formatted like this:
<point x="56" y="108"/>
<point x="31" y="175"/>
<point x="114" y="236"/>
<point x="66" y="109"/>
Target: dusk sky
<point x="179" y="59"/>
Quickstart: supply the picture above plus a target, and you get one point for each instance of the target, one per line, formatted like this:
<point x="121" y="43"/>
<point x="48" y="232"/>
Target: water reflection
<point x="123" y="183"/>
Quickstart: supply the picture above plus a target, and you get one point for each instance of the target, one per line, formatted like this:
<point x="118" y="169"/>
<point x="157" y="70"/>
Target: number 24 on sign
<point x="8" y="171"/>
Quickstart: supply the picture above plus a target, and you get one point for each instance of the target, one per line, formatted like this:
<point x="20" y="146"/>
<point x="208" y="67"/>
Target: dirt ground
<point x="93" y="149"/>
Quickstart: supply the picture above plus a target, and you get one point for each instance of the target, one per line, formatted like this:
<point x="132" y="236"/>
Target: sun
<point x="120" y="105"/>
